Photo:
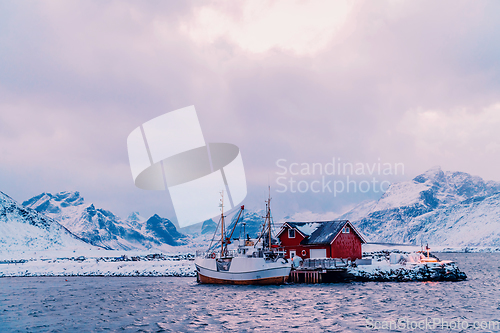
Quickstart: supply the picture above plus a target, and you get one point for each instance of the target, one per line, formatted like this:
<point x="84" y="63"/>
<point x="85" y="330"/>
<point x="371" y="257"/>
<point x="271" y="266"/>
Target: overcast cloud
<point x="398" y="82"/>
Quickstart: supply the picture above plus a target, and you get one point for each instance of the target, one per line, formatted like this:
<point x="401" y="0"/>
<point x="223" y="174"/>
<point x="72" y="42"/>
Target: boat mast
<point x="269" y="216"/>
<point x="228" y="239"/>
<point x="222" y="224"/>
<point x="267" y="224"/>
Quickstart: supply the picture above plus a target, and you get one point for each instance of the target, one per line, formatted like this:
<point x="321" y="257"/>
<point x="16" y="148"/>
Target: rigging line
<point x="215" y="232"/>
<point x="273" y="226"/>
<point x="272" y="223"/>
<point x="262" y="232"/>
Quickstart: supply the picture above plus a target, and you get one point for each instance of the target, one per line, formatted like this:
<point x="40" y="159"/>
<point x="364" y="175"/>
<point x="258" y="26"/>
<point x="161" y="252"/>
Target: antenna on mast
<point x="222" y="223"/>
<point x="268" y="216"/>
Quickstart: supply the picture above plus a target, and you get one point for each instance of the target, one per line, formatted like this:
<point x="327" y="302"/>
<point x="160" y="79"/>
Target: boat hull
<point x="244" y="271"/>
<point x="265" y="281"/>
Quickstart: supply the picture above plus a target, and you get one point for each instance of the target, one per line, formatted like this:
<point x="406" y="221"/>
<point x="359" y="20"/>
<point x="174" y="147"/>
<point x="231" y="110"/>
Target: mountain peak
<point x="135" y="217"/>
<point x="208" y="227"/>
<point x="25" y="228"/>
<point x="164" y="230"/>
<point x="69" y="198"/>
<point x="52" y="203"/>
<point x="434" y="174"/>
<point x="135" y="220"/>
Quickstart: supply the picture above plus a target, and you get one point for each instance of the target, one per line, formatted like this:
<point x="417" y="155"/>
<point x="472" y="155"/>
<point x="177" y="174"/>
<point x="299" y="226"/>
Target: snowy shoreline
<point x="95" y="265"/>
<point x="134" y="264"/>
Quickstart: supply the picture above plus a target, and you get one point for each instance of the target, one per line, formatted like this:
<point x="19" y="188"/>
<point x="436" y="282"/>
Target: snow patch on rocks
<point x="131" y="264"/>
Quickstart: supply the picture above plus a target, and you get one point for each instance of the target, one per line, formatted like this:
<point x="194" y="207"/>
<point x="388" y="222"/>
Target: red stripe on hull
<point x="265" y="281"/>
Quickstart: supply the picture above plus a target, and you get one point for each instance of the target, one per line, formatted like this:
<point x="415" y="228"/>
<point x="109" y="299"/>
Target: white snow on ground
<point x="17" y="235"/>
<point x="405" y="266"/>
<point x="94" y="263"/>
<point x="139" y="263"/>
<point x="390" y="248"/>
<point x="381" y="266"/>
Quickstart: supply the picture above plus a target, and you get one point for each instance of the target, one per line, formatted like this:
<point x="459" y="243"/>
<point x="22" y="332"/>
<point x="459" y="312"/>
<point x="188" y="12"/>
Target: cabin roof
<point x="321" y="232"/>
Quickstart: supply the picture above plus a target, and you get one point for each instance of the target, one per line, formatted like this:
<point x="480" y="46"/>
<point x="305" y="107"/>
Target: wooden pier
<point x="320" y="271"/>
<point x="318" y="276"/>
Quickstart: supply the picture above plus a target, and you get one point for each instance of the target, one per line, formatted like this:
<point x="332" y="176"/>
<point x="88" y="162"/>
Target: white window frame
<point x="291" y="229"/>
<point x="346" y="230"/>
<point x="292" y="253"/>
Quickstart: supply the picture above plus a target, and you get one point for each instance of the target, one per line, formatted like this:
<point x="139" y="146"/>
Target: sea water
<point x="142" y="304"/>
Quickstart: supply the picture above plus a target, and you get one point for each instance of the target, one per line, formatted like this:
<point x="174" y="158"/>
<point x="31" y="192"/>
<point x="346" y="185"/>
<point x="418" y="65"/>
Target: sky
<point x="380" y="83"/>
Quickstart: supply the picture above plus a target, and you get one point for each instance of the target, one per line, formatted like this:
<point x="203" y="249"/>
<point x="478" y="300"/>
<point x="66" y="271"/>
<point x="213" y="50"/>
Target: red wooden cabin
<point x="328" y="239"/>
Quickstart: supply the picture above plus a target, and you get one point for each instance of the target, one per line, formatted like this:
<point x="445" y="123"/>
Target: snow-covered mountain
<point x="208" y="227"/>
<point x="436" y="207"/>
<point x="102" y="228"/>
<point x="23" y="228"/>
<point x="250" y="223"/>
<point x="441" y="208"/>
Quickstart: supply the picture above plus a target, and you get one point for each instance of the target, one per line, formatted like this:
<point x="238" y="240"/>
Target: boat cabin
<point x="325" y="239"/>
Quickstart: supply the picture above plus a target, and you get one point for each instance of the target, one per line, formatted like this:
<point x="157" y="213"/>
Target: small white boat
<point x="259" y="262"/>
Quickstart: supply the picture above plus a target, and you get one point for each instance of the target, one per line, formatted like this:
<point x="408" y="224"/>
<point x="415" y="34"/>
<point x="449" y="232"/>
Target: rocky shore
<point x="406" y="274"/>
<point x="398" y="266"/>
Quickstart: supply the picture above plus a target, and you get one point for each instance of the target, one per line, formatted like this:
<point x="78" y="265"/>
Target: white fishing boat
<point x="250" y="262"/>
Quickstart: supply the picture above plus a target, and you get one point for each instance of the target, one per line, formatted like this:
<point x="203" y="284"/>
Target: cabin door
<point x="317" y="253"/>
